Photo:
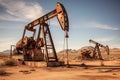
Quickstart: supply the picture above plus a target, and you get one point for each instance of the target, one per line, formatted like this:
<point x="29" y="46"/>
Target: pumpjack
<point x="91" y="53"/>
<point x="42" y="48"/>
<point x="97" y="49"/>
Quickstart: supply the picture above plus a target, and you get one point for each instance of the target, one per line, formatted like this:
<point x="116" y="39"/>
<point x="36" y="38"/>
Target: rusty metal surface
<point x="59" y="12"/>
<point x="39" y="49"/>
<point x="90" y="52"/>
<point x="97" y="49"/>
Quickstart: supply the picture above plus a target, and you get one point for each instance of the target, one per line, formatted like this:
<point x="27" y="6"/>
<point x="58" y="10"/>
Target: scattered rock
<point x="32" y="69"/>
<point x="25" y="71"/>
<point x="114" y="74"/>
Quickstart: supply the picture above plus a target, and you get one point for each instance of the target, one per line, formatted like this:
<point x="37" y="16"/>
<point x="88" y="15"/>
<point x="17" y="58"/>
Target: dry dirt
<point x="92" y="70"/>
<point x="75" y="72"/>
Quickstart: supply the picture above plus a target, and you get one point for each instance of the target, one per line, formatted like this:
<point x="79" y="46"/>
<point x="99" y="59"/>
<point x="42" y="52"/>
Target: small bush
<point x="2" y="72"/>
<point x="10" y="63"/>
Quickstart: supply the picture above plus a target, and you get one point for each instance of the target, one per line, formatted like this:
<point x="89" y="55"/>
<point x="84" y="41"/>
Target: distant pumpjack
<point x="97" y="49"/>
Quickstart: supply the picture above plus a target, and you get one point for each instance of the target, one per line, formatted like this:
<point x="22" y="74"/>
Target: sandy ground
<point x="93" y="70"/>
<point x="63" y="73"/>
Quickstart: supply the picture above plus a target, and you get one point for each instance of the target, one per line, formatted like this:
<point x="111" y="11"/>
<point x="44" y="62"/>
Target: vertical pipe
<point x="66" y="36"/>
<point x="67" y="52"/>
<point x="11" y="51"/>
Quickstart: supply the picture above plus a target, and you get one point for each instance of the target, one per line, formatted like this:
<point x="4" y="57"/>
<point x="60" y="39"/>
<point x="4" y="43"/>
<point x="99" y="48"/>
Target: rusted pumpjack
<point x="43" y="47"/>
<point x="97" y="49"/>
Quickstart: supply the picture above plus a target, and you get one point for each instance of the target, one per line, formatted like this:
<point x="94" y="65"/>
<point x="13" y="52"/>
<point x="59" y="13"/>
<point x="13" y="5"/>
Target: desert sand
<point x="75" y="72"/>
<point x="78" y="70"/>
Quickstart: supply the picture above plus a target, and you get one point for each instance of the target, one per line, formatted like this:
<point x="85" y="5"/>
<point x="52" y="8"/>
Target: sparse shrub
<point x="2" y="72"/>
<point x="10" y="62"/>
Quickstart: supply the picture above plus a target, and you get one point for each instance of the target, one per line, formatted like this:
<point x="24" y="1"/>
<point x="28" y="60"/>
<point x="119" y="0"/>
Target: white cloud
<point x="19" y="10"/>
<point x="103" y="26"/>
<point x="105" y="39"/>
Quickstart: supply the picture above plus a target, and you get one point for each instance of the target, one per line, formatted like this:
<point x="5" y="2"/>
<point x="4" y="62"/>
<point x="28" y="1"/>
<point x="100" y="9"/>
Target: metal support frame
<point x="97" y="50"/>
<point x="45" y="31"/>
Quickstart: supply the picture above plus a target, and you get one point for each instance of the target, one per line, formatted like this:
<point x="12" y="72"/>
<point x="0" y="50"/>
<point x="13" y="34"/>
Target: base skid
<point x="55" y="64"/>
<point x="44" y="64"/>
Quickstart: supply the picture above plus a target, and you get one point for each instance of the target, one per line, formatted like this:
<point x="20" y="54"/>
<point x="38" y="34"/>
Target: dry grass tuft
<point x="2" y="72"/>
<point x="10" y="62"/>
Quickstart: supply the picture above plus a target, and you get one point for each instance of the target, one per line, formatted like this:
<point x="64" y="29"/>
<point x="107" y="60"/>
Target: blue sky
<point x="89" y="19"/>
